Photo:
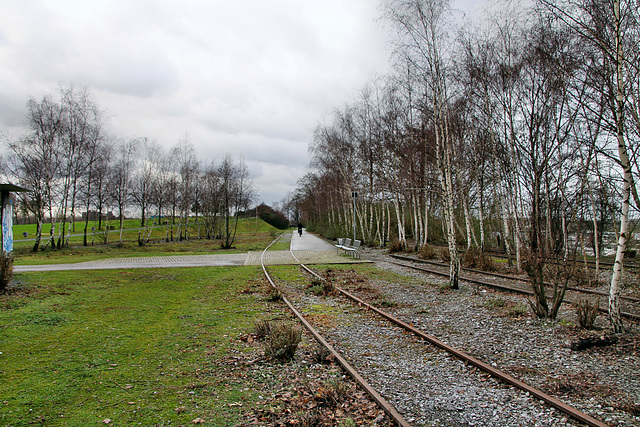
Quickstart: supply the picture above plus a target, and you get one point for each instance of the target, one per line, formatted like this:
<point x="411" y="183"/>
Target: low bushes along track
<point x="298" y="296"/>
<point x="630" y="305"/>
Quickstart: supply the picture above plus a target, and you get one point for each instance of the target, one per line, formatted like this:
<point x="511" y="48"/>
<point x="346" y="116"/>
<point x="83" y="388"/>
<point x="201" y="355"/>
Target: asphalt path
<point x="309" y="242"/>
<point x="308" y="248"/>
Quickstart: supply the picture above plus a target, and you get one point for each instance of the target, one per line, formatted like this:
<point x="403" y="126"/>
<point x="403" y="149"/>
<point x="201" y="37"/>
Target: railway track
<point x="509" y="283"/>
<point x="629" y="263"/>
<point x="385" y="328"/>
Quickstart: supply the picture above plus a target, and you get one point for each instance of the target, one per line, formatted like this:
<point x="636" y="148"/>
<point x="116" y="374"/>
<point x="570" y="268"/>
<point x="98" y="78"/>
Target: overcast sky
<point x="247" y="77"/>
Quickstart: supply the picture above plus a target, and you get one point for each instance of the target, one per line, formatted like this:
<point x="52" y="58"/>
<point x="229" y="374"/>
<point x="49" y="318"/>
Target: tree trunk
<point x="401" y="236"/>
<point x="596" y="240"/>
<point x="614" y="289"/>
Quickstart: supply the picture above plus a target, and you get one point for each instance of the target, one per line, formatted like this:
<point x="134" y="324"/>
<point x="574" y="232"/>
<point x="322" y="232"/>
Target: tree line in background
<point x="518" y="132"/>
<point x="71" y="166"/>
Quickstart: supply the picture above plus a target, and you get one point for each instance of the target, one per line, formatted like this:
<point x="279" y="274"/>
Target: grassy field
<point x="156" y="347"/>
<point x="252" y="235"/>
<point x="139" y="347"/>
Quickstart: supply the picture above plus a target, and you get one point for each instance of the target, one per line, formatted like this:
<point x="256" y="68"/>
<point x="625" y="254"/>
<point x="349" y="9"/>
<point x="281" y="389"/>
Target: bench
<point x="342" y="244"/>
<point x="347" y="247"/>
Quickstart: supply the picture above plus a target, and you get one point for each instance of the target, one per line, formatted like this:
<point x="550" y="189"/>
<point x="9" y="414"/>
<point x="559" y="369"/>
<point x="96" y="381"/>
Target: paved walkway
<point x="309" y="249"/>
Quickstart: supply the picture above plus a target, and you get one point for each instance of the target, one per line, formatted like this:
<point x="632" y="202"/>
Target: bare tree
<point x="145" y="176"/>
<point x="35" y="160"/>
<point x="236" y="192"/>
<point x="211" y="200"/>
<point x="96" y="185"/>
<point x="423" y="41"/>
<point x="185" y="167"/>
<point x="83" y="124"/>
<point x="612" y="28"/>
<point x="120" y="178"/>
<point x="96" y="153"/>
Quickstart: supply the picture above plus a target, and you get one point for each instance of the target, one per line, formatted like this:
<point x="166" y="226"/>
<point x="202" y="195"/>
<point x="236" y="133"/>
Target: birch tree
<point x="612" y="28"/>
<point x="35" y="161"/>
<point x="423" y="40"/>
<point x="144" y="180"/>
<point x="120" y="178"/>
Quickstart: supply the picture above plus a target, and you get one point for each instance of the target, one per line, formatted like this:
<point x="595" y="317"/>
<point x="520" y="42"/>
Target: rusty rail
<point x="498" y="286"/>
<point x="558" y="404"/>
<point x="508" y="277"/>
<point x="381" y="401"/>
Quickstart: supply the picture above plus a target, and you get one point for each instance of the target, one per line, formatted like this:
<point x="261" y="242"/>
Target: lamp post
<point x="354" y="195"/>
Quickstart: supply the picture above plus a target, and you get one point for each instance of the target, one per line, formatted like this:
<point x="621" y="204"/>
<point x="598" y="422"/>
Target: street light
<point x="354" y="194"/>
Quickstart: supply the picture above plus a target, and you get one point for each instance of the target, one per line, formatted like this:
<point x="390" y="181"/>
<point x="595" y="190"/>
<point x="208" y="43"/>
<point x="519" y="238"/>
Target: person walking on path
<point x="300" y="229"/>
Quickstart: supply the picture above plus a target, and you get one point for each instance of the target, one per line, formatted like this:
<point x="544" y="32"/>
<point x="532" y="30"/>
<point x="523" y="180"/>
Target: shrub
<point x="271" y="216"/>
<point x="321" y="354"/>
<point x="495" y="302"/>
<point x="322" y="287"/>
<point x="308" y="418"/>
<point x="332" y="392"/>
<point x="6" y="270"/>
<point x="282" y="342"/>
<point x="395" y="246"/>
<point x="445" y="256"/>
<point x="475" y="258"/>
<point x="587" y="313"/>
<point x="274" y="295"/>
<point x="518" y="310"/>
<point x="261" y="328"/>
<point x="583" y="278"/>
<point x="427" y="251"/>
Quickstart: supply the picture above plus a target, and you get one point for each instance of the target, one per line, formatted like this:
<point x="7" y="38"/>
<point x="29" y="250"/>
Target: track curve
<point x="382" y="402"/>
<point x="506" y="378"/>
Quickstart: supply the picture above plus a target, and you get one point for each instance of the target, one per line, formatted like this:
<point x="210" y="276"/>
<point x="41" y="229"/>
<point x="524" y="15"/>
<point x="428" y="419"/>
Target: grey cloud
<point x="251" y="78"/>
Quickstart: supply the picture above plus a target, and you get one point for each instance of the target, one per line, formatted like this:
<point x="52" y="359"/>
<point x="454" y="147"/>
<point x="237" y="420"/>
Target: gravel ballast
<point x="430" y="387"/>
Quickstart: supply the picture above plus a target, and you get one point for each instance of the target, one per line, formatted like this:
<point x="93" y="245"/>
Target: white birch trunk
<point x="399" y="217"/>
<point x="471" y="235"/>
<point x="614" y="289"/>
<point x="481" y="219"/>
<point x="596" y="242"/>
<point x="505" y="227"/>
<point x="426" y="222"/>
<point x="388" y="222"/>
<point x="516" y="232"/>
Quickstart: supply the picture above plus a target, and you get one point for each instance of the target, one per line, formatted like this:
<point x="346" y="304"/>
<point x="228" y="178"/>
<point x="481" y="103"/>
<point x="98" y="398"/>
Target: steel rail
<point x="630" y="265"/>
<point x="381" y="401"/>
<point x="498" y="286"/>
<point x="505" y="276"/>
<point x="556" y="403"/>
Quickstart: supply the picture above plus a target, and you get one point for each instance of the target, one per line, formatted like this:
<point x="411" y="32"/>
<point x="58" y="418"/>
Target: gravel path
<point x="430" y="387"/>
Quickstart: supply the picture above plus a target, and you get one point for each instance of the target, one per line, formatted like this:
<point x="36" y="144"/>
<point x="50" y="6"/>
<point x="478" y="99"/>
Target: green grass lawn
<point x="139" y="347"/>
<point x="130" y="227"/>
<point x="252" y="236"/>
<point x="282" y="244"/>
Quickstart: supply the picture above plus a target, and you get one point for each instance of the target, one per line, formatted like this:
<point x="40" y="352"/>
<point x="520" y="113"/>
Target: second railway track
<point x="630" y="305"/>
<point x="424" y="383"/>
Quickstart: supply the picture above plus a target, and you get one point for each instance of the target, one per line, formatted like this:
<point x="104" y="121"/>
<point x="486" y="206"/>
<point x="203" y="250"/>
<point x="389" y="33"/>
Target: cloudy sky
<point x="247" y="77"/>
